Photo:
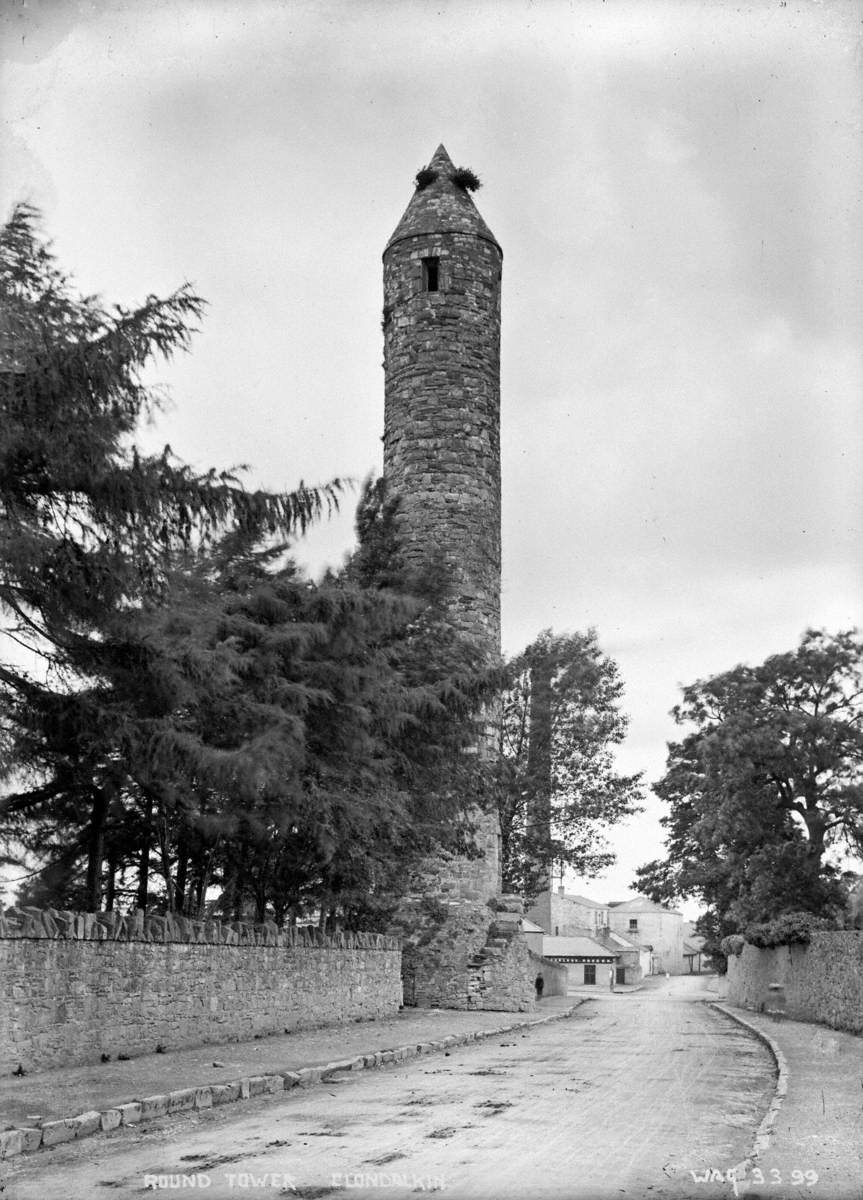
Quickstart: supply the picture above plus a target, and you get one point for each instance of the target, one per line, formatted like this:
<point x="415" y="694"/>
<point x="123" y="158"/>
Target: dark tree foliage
<point x="769" y="779"/>
<point x="88" y="526"/>
<point x="557" y="789"/>
<point x="207" y="720"/>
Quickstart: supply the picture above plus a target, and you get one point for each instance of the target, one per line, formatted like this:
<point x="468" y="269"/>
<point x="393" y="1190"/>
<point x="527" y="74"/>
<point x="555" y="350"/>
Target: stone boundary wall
<point x="821" y="981"/>
<point x="555" y="977"/>
<point x="68" y="997"/>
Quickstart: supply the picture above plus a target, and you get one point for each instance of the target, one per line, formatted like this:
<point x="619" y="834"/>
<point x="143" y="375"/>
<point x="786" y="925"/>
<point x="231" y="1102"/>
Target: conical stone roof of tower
<point x="441" y="207"/>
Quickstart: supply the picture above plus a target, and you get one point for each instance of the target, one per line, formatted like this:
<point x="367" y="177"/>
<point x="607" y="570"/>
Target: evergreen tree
<point x="88" y="526"/>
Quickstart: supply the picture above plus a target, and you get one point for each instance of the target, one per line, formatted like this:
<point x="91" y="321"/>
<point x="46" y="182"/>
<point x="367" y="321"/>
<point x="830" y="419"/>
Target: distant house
<point x="633" y="959"/>
<point x="581" y="956"/>
<point x="563" y="915"/>
<point x="693" y="948"/>
<point x="654" y="935"/>
<point x="655" y="926"/>
<point x="533" y="935"/>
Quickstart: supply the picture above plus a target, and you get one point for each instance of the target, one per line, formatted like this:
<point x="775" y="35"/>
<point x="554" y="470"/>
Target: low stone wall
<point x="554" y="975"/>
<point x="821" y="981"/>
<point x="71" y="995"/>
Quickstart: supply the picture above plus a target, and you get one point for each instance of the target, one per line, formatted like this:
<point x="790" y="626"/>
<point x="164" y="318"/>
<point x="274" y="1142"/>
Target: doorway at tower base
<point x="465" y="954"/>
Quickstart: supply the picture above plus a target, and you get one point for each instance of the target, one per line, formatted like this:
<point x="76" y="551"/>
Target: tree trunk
<point x="111" y="880"/>
<point x="202" y="882"/>
<point x="180" y="876"/>
<point x="816" y="823"/>
<point x="538" y="816"/>
<point x="96" y="849"/>
<point x="144" y="859"/>
<point x="165" y="855"/>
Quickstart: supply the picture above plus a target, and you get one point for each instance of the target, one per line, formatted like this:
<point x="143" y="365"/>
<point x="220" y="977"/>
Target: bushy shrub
<point x="733" y="944"/>
<point x="424" y="177"/>
<point x="786" y="930"/>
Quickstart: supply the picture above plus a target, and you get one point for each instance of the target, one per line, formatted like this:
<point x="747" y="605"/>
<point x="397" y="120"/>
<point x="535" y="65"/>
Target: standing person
<point x="611" y="979"/>
<point x="539" y="984"/>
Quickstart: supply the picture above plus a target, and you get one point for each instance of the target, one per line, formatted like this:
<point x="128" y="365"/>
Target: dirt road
<point x="627" y="1098"/>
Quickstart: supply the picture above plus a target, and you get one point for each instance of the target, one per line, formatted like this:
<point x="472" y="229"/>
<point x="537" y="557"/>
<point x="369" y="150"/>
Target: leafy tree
<point x="770" y="779"/>
<point x="557" y="790"/>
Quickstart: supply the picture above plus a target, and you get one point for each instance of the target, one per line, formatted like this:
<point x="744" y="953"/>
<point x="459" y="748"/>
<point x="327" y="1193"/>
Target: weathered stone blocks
<point x="66" y="1002"/>
<point x="821" y="981"/>
<point x="11" y="1142"/>
<point x="55" y="1132"/>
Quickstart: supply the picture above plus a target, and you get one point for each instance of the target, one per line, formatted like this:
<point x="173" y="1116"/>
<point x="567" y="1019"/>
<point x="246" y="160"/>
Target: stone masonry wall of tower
<point x="442" y="293"/>
<point x="442" y="414"/>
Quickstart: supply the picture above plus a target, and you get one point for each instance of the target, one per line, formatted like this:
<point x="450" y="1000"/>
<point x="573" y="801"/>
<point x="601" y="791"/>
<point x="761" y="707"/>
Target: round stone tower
<point x="442" y="281"/>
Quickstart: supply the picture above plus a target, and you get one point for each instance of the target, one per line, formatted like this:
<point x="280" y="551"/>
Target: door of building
<point x="620" y="975"/>
<point x="590" y="973"/>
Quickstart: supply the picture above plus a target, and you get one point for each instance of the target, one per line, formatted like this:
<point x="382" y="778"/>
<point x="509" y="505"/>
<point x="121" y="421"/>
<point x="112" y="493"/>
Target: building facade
<point x="654" y="937"/>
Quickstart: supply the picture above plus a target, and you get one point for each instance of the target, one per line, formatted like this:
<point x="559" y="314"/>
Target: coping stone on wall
<point x="30" y="922"/>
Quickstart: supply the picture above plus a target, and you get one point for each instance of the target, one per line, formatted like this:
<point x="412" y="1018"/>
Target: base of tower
<point x="465" y="954"/>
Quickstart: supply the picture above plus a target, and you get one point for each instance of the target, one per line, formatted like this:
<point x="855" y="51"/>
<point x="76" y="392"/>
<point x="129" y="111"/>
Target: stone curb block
<point x="32" y="1138"/>
<point x="266" y="1085"/>
<point x="225" y="1093"/>
<point x="11" y="1142"/>
<point x="52" y="1133"/>
<point x="87" y="1123"/>
<point x="154" y="1106"/>
<point x="346" y="1064"/>
<point x="762" y="1133"/>
<point x="181" y="1100"/>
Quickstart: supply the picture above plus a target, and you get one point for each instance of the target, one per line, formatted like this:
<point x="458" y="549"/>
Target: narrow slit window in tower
<point x="430" y="274"/>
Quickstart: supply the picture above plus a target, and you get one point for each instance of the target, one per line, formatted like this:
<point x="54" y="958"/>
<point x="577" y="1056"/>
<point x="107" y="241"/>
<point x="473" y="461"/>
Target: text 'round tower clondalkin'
<point x="442" y="287"/>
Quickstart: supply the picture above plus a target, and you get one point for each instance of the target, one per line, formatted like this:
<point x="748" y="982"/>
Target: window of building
<point x="590" y="972"/>
<point x="431" y="274"/>
<point x="633" y="924"/>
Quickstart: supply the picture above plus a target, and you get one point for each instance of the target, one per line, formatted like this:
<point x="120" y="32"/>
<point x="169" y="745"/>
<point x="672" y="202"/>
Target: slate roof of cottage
<point x="575" y="947"/>
<point x="641" y="904"/>
<point x="441" y="207"/>
<point x="625" y="940"/>
<point x="583" y="901"/>
<point x="530" y="926"/>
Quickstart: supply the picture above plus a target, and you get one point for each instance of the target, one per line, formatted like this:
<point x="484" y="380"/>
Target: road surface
<point x="628" y="1097"/>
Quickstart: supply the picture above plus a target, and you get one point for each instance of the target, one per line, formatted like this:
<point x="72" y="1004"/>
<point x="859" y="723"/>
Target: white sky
<point x="677" y="190"/>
